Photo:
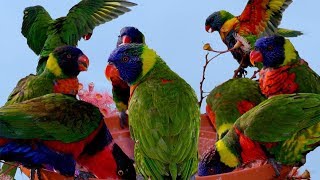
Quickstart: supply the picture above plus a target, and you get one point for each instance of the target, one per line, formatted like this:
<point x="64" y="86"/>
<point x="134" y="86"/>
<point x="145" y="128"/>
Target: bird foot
<point x="240" y="72"/>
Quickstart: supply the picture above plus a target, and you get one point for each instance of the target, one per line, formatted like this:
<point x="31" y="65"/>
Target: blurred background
<point x="175" y="29"/>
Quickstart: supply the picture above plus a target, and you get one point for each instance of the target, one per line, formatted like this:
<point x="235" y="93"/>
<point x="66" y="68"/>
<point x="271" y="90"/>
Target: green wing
<point x="164" y="118"/>
<point x="30" y="87"/>
<point x="36" y="21"/>
<point x="86" y="15"/>
<point x="306" y="78"/>
<point x="50" y="117"/>
<point x="280" y="117"/>
<point x="231" y="99"/>
<point x="288" y="32"/>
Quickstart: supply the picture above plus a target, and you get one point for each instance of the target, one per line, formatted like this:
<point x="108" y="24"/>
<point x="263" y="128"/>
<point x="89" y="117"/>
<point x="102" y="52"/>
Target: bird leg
<point x="240" y="71"/>
<point x="255" y="74"/>
<point x="32" y="173"/>
<point x="276" y="166"/>
<point x="39" y="174"/>
<point x="123" y="119"/>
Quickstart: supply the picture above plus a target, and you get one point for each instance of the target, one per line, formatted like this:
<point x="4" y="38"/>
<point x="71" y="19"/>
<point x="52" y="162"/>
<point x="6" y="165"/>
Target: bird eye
<point x="125" y="59"/>
<point x="120" y="173"/>
<point x="270" y="48"/>
<point x="69" y="56"/>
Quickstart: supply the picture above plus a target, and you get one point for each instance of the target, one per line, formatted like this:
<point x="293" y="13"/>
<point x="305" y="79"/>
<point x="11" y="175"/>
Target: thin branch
<point x="203" y="76"/>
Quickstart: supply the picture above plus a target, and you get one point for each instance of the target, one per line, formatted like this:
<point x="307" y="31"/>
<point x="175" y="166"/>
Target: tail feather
<point x="288" y="33"/>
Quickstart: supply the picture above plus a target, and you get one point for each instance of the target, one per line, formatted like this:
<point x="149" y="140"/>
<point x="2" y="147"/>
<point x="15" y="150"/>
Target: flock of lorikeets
<point x="275" y="119"/>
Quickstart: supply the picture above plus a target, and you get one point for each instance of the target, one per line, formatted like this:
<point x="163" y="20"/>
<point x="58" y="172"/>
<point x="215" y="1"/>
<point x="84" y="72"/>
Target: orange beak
<point x="255" y="56"/>
<point x="83" y="62"/>
<point x="112" y="72"/>
<point x="126" y="39"/>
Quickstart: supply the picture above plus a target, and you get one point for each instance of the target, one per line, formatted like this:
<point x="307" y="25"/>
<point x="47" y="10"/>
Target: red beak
<point x="87" y="36"/>
<point x="209" y="29"/>
<point x="126" y="39"/>
<point x="255" y="56"/>
<point x="83" y="62"/>
<point x="111" y="72"/>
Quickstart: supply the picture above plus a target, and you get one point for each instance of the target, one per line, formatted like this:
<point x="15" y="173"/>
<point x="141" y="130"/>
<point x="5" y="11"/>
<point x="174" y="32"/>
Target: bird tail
<point x="289" y="32"/>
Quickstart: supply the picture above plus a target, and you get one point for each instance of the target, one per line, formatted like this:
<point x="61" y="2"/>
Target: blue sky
<point x="175" y="29"/>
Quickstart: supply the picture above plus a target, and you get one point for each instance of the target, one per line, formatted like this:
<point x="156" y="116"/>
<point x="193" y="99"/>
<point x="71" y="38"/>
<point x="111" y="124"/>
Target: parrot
<point x="44" y="34"/>
<point x="120" y="89"/>
<point x="59" y="76"/>
<point x="228" y="101"/>
<point x="259" y="18"/>
<point x="283" y="72"/>
<point x="281" y="129"/>
<point x="60" y="131"/>
<point x="164" y="115"/>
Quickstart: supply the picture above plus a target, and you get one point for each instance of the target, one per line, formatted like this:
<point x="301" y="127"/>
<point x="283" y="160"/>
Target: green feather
<point x="44" y="34"/>
<point x="49" y="117"/>
<point x="164" y="120"/>
<point x="288" y="32"/>
<point x="223" y="100"/>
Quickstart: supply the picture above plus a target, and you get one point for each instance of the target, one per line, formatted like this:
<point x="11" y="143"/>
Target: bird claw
<point x="276" y="166"/>
<point x="123" y="116"/>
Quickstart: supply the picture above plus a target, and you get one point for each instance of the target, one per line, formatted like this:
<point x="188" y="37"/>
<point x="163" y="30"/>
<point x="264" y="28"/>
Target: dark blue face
<point x="272" y="50"/>
<point x="210" y="164"/>
<point x="68" y="59"/>
<point x="216" y="20"/>
<point x="127" y="60"/>
<point x="133" y="34"/>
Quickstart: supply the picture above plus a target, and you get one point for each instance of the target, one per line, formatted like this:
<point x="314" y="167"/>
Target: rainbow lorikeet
<point x="44" y="34"/>
<point x="60" y="131"/>
<point x="164" y="115"/>
<point x="228" y="101"/>
<point x="59" y="76"/>
<point x="259" y="18"/>
<point x="283" y="128"/>
<point x="120" y="89"/>
<point x="283" y="72"/>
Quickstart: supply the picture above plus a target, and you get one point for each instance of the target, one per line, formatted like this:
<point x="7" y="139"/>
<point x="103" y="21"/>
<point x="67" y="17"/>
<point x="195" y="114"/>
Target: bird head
<point x="125" y="168"/>
<point x="130" y="35"/>
<point x="273" y="51"/>
<point x="131" y="62"/>
<point x="67" y="61"/>
<point x="215" y="21"/>
<point x="211" y="164"/>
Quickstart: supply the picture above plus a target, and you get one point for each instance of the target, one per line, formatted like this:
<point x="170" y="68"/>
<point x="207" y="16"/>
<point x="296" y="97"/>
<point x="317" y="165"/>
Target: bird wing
<point x="262" y="17"/>
<point x="50" y="117"/>
<point x="280" y="117"/>
<point x="36" y="21"/>
<point x="87" y="14"/>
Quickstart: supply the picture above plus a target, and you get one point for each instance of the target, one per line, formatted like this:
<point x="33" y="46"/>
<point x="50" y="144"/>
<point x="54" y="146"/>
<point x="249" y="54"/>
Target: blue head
<point x="132" y="62"/>
<point x="211" y="164"/>
<point x="67" y="61"/>
<point x="215" y="21"/>
<point x="271" y="51"/>
<point x="130" y="35"/>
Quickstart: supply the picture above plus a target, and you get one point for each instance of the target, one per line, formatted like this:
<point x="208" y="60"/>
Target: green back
<point x="30" y="87"/>
<point x="164" y="120"/>
<point x="50" y="117"/>
<point x="225" y="99"/>
<point x="307" y="80"/>
<point x="290" y="120"/>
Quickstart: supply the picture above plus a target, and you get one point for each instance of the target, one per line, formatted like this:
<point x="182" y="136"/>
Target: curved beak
<point x="255" y="56"/>
<point x="209" y="29"/>
<point x="87" y="36"/>
<point x="111" y="72"/>
<point x="83" y="62"/>
<point x="126" y="39"/>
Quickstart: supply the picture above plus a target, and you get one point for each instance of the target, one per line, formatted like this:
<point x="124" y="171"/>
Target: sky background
<point x="175" y="29"/>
